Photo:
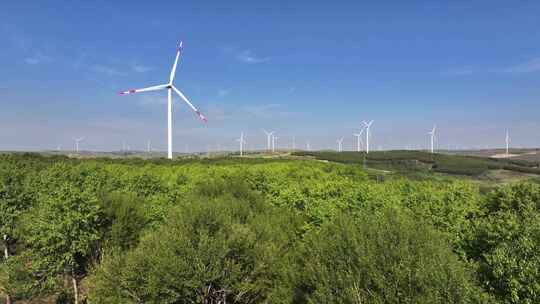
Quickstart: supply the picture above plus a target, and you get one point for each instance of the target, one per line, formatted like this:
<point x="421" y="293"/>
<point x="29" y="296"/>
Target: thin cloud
<point x="139" y="68"/>
<point x="247" y="56"/>
<point x="107" y="70"/>
<point x="264" y="111"/>
<point x="530" y="66"/>
<point x="37" y="58"/>
<point x="223" y="92"/>
<point x="152" y="100"/>
<point x="459" y="71"/>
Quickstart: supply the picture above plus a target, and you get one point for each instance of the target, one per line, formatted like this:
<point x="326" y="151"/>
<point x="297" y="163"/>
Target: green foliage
<point x="123" y="220"/>
<point x="506" y="243"/>
<point x="229" y="248"/>
<point x="161" y="231"/>
<point x="14" y="197"/>
<point x="404" y="161"/>
<point x="15" y="279"/>
<point x="60" y="232"/>
<point x="386" y="258"/>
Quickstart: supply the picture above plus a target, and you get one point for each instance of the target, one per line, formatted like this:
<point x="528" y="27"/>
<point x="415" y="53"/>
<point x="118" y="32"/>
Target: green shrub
<point x="389" y="258"/>
<point x="506" y="243"/>
<point x="209" y="250"/>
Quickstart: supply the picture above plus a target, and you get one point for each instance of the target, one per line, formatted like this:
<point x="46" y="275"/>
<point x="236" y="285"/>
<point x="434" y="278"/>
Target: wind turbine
<point x="268" y="139"/>
<point x="367" y="127"/>
<point x="340" y="144"/>
<point x="148" y="146"/>
<point x="293" y="143"/>
<point x="359" y="139"/>
<point x="308" y="146"/>
<point x="432" y="133"/>
<point x="170" y="88"/>
<point x="274" y="139"/>
<point x="77" y="141"/>
<point x="242" y="142"/>
<point x="507" y="139"/>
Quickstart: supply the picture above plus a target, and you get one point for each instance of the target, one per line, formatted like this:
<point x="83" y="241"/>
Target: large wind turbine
<point x="507" y="139"/>
<point x="432" y="133"/>
<point x="367" y="127"/>
<point x="359" y="139"/>
<point x="340" y="144"/>
<point x="242" y="142"/>
<point x="170" y="87"/>
<point x="268" y="139"/>
<point x="77" y="141"/>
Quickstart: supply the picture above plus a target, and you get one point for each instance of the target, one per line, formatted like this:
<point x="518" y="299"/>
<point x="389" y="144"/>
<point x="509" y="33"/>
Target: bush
<point x="391" y="258"/>
<point x="209" y="250"/>
<point x="506" y="243"/>
<point x="124" y="219"/>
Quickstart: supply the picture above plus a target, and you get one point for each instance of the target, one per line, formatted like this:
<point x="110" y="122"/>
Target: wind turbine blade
<point x="201" y="116"/>
<point x="173" y="71"/>
<point x="148" y="89"/>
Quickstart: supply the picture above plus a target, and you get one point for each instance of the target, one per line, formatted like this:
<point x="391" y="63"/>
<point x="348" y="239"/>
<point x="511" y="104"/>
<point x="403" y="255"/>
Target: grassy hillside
<point x="418" y="161"/>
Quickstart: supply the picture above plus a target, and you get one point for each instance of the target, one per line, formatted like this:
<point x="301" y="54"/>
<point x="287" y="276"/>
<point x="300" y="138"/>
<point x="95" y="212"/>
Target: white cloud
<point x="530" y="66"/>
<point x="459" y="71"/>
<point x="271" y="110"/>
<point x="247" y="56"/>
<point x="37" y="58"/>
<point x="152" y="99"/>
<point x="223" y="92"/>
<point x="139" y="68"/>
<point x="107" y="70"/>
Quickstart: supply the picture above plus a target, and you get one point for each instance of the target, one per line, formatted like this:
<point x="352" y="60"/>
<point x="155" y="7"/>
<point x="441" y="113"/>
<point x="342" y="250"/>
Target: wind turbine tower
<point x="507" y="139"/>
<point x="359" y="139"/>
<point x="242" y="142"/>
<point x="269" y="136"/>
<point x="170" y="88"/>
<point x="340" y="144"/>
<point x="77" y="141"/>
<point x="274" y="140"/>
<point x="367" y="126"/>
<point x="432" y="134"/>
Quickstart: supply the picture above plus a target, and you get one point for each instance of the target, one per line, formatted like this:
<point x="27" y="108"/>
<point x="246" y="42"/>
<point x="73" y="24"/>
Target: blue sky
<point x="310" y="69"/>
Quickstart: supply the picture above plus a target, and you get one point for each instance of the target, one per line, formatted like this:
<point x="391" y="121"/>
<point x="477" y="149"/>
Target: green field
<point x="317" y="227"/>
<point x="417" y="162"/>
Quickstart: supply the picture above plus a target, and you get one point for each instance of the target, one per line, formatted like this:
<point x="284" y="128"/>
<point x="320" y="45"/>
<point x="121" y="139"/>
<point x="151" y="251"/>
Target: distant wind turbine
<point x="77" y="141"/>
<point x="242" y="142"/>
<point x="274" y="144"/>
<point x="507" y="139"/>
<point x="170" y="88"/>
<point x="148" y="146"/>
<point x="432" y="134"/>
<point x="308" y="146"/>
<point x="293" y="143"/>
<point x="268" y="139"/>
<point x="367" y="126"/>
<point x="340" y="144"/>
<point x="359" y="139"/>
